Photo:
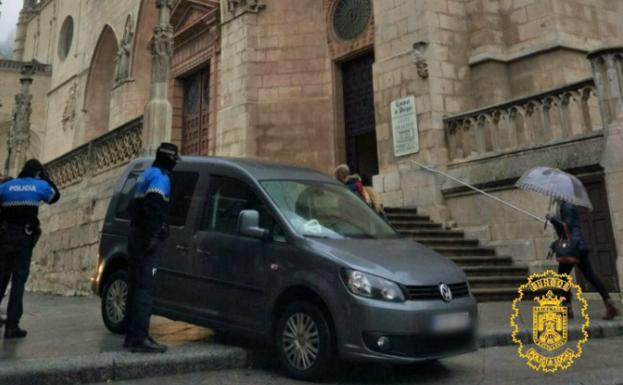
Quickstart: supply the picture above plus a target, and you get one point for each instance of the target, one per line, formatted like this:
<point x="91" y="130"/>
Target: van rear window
<point x="125" y="197"/>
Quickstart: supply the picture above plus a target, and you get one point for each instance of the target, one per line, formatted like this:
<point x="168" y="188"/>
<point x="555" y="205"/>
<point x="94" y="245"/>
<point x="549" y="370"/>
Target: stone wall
<point x="292" y="84"/>
<point x="519" y="47"/>
<point x="66" y="256"/>
<point x="441" y="26"/>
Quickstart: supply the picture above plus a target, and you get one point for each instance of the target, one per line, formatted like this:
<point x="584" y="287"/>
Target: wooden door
<point x="359" y="120"/>
<point x="597" y="228"/>
<point x="196" y="114"/>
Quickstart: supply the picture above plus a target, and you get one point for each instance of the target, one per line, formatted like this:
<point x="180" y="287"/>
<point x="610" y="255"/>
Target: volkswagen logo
<point x="446" y="293"/>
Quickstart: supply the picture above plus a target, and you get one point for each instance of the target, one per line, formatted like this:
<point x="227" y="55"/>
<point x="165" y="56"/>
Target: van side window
<point x="182" y="189"/>
<point x="124" y="211"/>
<point x="227" y="198"/>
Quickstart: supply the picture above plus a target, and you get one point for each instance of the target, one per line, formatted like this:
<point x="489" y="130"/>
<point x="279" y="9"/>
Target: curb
<point x="107" y="366"/>
<point x="596" y="329"/>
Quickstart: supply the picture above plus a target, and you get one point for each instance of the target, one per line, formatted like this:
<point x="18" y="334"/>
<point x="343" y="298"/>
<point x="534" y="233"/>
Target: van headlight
<point x="371" y="286"/>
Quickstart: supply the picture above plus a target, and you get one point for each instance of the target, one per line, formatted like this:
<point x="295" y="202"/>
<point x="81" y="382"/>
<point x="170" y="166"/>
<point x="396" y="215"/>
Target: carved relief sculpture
<point x="122" y="60"/>
<point x="69" y="113"/>
<point x="421" y="66"/>
<point x="237" y="7"/>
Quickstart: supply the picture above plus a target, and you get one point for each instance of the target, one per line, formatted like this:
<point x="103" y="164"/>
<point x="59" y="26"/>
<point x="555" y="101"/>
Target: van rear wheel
<point x="304" y="342"/>
<point x="114" y="300"/>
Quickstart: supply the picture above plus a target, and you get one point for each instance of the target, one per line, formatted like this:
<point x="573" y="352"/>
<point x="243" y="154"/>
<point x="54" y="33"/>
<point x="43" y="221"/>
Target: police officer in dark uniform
<point x="19" y="232"/>
<point x="148" y="229"/>
<point x="6" y="276"/>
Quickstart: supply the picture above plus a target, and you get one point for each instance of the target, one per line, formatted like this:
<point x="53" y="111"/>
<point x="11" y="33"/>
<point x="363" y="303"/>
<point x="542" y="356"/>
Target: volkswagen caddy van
<point x="289" y="256"/>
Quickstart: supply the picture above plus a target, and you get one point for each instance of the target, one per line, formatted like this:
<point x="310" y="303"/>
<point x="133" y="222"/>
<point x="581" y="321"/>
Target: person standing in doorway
<point x="148" y="229"/>
<point x="566" y="220"/>
<point x="353" y="182"/>
<point x="20" y="199"/>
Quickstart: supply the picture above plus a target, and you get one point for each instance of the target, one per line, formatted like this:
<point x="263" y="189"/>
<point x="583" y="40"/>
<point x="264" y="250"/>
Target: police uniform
<point x="148" y="229"/>
<point x="19" y="200"/>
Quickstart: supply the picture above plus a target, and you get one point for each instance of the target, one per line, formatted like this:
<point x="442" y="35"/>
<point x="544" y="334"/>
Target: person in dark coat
<point x="6" y="275"/>
<point x="20" y="199"/>
<point x="147" y="231"/>
<point x="568" y="215"/>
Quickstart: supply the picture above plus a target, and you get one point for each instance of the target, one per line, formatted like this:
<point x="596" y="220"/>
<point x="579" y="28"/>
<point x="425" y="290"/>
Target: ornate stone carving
<point x="237" y="7"/>
<point x="111" y="150"/>
<point x="69" y="113"/>
<point x="552" y="116"/>
<point x="124" y="54"/>
<point x="19" y="134"/>
<point x="419" y="59"/>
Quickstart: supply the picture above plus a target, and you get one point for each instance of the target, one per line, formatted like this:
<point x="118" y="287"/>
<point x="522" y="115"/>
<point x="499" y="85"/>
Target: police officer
<point x="4" y="279"/>
<point x="20" y="199"/>
<point x="148" y="229"/>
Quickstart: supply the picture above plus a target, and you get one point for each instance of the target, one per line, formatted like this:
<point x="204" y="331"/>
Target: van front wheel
<point x="114" y="300"/>
<point x="304" y="342"/>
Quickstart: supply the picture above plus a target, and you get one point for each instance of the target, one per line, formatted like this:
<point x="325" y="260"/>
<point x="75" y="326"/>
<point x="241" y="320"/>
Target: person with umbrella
<point x="567" y="192"/>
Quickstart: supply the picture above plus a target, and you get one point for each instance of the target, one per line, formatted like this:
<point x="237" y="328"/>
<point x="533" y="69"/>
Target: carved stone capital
<point x="165" y="3"/>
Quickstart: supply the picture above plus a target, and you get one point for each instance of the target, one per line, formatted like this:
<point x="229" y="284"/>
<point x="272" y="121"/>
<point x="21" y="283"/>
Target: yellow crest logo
<point x="545" y="294"/>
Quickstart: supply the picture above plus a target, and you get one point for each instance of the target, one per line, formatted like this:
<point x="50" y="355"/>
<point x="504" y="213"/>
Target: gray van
<point x="289" y="256"/>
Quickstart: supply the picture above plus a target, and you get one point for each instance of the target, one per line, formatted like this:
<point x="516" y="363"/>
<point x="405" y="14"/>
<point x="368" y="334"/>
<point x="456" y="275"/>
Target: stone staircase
<point x="491" y="277"/>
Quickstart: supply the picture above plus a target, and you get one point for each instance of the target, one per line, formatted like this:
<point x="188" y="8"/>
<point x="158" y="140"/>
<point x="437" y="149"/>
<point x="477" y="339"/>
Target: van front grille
<point x="432" y="292"/>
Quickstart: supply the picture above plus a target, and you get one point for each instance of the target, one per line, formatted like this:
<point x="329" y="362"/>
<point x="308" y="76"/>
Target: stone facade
<point x="499" y="86"/>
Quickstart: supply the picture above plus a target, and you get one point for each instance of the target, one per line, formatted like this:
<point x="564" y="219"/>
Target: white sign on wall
<point x="404" y="126"/>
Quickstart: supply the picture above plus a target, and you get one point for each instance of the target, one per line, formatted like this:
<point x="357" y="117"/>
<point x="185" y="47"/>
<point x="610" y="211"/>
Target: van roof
<point x="258" y="169"/>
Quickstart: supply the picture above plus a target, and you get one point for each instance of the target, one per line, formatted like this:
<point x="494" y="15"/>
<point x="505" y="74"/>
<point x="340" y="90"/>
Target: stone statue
<point x="122" y="60"/>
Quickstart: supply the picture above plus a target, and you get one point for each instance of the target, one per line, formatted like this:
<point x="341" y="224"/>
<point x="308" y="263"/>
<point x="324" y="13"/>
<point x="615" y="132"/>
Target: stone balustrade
<point x="19" y="65"/>
<point x="115" y="148"/>
<point x="549" y="117"/>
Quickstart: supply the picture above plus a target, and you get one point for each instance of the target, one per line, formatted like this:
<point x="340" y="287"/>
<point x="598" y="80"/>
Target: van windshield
<point x="326" y="210"/>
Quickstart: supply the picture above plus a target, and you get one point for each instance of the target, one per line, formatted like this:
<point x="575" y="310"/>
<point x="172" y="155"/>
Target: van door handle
<point x="182" y="248"/>
<point x="204" y="253"/>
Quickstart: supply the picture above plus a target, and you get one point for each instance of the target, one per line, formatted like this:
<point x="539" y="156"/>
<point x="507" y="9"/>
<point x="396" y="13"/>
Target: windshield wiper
<point x="317" y="236"/>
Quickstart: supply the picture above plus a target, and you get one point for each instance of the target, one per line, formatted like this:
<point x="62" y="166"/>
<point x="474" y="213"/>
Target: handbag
<point x="567" y="250"/>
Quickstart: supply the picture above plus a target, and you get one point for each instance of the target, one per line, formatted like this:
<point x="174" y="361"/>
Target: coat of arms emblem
<point x="550" y="322"/>
<point x="549" y="348"/>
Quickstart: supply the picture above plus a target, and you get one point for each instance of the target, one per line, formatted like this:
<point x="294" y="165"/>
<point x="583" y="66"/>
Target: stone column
<point x="608" y="73"/>
<point x="158" y="116"/>
<point x="19" y="135"/>
<point x="22" y="28"/>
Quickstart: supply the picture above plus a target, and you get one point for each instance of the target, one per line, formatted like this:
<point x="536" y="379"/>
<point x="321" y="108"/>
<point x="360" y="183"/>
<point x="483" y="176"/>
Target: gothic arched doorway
<point x="99" y="84"/>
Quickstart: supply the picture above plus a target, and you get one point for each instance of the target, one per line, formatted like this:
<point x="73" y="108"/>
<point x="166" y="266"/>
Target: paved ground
<point x="601" y="364"/>
<point x="67" y="339"/>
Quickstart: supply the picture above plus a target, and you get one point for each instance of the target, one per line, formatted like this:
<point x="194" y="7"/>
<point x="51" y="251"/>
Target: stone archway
<point x="99" y="84"/>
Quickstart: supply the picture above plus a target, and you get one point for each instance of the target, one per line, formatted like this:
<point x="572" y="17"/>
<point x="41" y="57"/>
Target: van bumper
<point x="403" y="332"/>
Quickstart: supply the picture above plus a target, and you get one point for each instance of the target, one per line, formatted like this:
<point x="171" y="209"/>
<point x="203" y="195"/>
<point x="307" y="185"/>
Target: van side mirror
<point x="249" y="225"/>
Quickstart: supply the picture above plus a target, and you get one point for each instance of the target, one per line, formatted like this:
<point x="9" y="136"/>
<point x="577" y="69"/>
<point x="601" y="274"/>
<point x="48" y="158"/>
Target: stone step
<point x="432" y="233"/>
<point x="506" y="282"/>
<point x="401" y="210"/>
<point x="407" y="216"/>
<point x="458" y="251"/>
<point x="413" y="225"/>
<point x="497" y="294"/>
<point x="495" y="271"/>
<point x="446" y="242"/>
<point x="482" y="261"/>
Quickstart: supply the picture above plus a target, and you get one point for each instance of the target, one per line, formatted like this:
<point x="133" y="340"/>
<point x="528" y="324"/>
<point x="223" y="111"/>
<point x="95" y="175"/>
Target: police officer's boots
<point x="15" y="332"/>
<point x="148" y="346"/>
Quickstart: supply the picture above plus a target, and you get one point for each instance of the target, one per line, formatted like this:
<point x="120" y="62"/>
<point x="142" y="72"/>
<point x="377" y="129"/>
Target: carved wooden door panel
<point x="597" y="228"/>
<point x="196" y="114"/>
<point x="359" y="121"/>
